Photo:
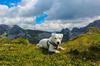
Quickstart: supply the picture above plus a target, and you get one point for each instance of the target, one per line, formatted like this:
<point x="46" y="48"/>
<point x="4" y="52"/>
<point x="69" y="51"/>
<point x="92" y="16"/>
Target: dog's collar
<point x="51" y="42"/>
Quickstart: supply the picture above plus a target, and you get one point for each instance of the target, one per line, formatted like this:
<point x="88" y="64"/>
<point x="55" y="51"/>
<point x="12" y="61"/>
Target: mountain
<point x="4" y="28"/>
<point x="15" y="32"/>
<point x="34" y="36"/>
<point x="95" y="24"/>
<point x="78" y="31"/>
<point x="71" y="34"/>
<point x="66" y="34"/>
<point x="37" y="35"/>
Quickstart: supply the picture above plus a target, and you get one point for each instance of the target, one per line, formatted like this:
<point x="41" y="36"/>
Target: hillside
<point x="83" y="50"/>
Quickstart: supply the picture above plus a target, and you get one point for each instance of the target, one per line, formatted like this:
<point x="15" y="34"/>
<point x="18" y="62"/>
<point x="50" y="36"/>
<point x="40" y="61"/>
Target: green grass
<point x="30" y="55"/>
<point x="81" y="51"/>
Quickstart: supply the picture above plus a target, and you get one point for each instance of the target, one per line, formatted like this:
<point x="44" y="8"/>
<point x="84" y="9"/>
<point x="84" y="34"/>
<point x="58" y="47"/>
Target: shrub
<point x="20" y="41"/>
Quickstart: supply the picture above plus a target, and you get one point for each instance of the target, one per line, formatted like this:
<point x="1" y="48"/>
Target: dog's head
<point x="56" y="38"/>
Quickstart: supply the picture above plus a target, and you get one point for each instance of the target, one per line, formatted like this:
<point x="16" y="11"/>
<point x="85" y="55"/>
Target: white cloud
<point x="56" y="25"/>
<point x="57" y="9"/>
<point x="17" y="20"/>
<point x="61" y="13"/>
<point x="25" y="7"/>
<point x="3" y="9"/>
<point x="14" y="15"/>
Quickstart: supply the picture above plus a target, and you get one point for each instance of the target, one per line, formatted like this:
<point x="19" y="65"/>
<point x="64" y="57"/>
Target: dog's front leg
<point x="61" y="48"/>
<point x="51" y="49"/>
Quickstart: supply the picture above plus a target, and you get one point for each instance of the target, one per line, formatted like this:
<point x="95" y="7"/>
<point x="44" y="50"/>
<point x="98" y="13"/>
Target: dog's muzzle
<point x="58" y="43"/>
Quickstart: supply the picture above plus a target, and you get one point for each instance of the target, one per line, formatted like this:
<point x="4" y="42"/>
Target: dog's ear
<point x="53" y="34"/>
<point x="62" y="35"/>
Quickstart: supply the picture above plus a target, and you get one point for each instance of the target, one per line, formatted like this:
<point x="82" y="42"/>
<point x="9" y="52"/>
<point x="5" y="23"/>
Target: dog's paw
<point x="38" y="45"/>
<point x="57" y="51"/>
<point x="62" y="48"/>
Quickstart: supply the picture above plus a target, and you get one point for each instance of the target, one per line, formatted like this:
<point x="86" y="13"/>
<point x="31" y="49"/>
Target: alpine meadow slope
<point x="80" y="51"/>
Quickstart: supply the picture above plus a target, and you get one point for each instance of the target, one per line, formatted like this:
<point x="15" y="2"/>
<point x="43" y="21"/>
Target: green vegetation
<point x="81" y="51"/>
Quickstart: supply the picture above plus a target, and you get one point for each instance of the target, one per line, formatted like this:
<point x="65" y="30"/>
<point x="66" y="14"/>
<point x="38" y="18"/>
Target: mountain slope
<point x="84" y="50"/>
<point x="4" y="28"/>
<point x="95" y="24"/>
<point x="78" y="31"/>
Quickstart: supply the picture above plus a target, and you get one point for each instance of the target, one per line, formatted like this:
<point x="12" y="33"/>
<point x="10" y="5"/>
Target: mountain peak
<point x="95" y="24"/>
<point x="4" y="28"/>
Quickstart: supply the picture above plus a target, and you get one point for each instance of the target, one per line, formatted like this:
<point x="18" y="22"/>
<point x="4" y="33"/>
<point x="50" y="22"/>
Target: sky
<point x="49" y="15"/>
<point x="10" y="3"/>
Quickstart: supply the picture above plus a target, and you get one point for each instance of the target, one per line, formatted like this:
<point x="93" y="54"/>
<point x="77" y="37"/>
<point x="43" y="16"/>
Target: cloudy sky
<point x="49" y="14"/>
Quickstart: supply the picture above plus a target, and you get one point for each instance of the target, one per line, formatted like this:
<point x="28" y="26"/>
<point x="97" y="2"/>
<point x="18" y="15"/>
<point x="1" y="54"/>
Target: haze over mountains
<point x="35" y="35"/>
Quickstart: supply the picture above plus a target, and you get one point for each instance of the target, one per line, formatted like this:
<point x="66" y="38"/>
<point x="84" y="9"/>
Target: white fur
<point x="56" y="38"/>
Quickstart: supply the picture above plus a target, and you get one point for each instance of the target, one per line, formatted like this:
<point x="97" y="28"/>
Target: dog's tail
<point x="38" y="45"/>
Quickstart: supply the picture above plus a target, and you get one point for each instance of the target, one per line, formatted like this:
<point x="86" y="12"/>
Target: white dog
<point x="52" y="43"/>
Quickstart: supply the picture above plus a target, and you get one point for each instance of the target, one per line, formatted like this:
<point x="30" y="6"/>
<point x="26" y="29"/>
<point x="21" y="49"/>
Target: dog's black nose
<point x="57" y="42"/>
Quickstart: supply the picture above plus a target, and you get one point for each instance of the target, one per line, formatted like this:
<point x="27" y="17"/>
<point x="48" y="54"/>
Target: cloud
<point x="72" y="9"/>
<point x="56" y="9"/>
<point x="57" y="25"/>
<point x="3" y="10"/>
<point x="27" y="10"/>
<point x="24" y="22"/>
<point x="20" y="10"/>
<point x="34" y="7"/>
<point x="61" y="13"/>
<point x="18" y="15"/>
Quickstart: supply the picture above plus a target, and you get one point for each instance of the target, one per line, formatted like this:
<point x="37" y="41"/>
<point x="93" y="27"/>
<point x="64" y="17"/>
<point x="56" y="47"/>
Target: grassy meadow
<point x="81" y="51"/>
